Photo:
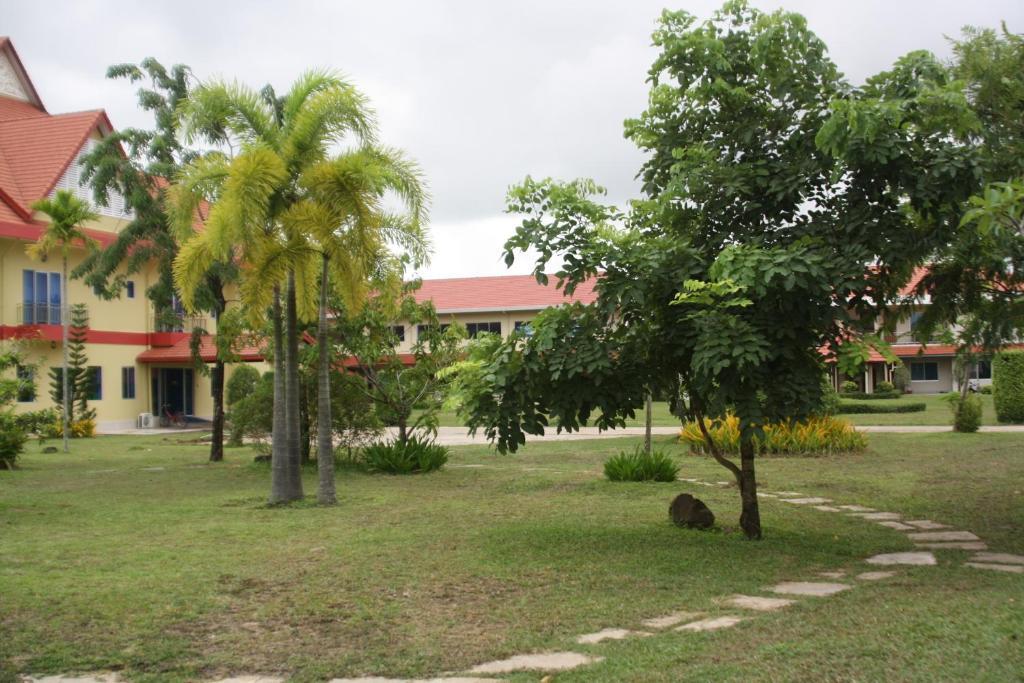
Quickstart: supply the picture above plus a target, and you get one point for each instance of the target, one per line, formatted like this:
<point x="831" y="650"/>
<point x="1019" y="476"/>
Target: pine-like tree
<point x="79" y="377"/>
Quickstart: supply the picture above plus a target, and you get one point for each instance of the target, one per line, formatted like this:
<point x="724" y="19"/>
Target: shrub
<point x="817" y="435"/>
<point x="877" y="396"/>
<point x="829" y="398"/>
<point x="855" y="407"/>
<point x="885" y="388"/>
<point x="253" y="416"/>
<point x="38" y="421"/>
<point x="242" y="383"/>
<point x="901" y="378"/>
<point x="413" y="456"/>
<point x="1008" y="386"/>
<point x="639" y="466"/>
<point x="12" y="440"/>
<point x="986" y="389"/>
<point x="966" y="411"/>
<point x="848" y="387"/>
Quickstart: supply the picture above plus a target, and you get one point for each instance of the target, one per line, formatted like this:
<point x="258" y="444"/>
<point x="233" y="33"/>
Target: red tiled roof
<point x="30" y="231"/>
<point x="181" y="352"/>
<point x="498" y="293"/>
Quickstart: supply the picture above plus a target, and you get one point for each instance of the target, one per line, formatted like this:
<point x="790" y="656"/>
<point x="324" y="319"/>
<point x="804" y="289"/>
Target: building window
<point x="981" y="370"/>
<point x="924" y="372"/>
<point x="422" y="329"/>
<point x="40" y="298"/>
<point x="915" y="318"/>
<point x="129" y="289"/>
<point x="95" y="374"/>
<point x="127" y="382"/>
<point x="26" y="384"/>
<point x="473" y="329"/>
<point x="73" y="181"/>
<point x="525" y="327"/>
<point x="399" y="332"/>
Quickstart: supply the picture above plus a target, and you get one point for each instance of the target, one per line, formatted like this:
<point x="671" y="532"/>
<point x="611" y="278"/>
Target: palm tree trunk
<point x="291" y="391"/>
<point x="65" y="391"/>
<point x="325" y="494"/>
<point x="280" y="472"/>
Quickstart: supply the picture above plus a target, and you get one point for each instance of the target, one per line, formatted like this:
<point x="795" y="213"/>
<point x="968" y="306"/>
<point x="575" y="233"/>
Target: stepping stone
<point x="252" y="679"/>
<point x="856" y="508"/>
<point x="710" y="624"/>
<point x="609" y="634"/>
<point x="723" y="483"/>
<point x="808" y="588"/>
<point x="787" y="493"/>
<point x="969" y="545"/>
<point x="1013" y="568"/>
<point x="766" y="495"/>
<point x="943" y="536"/>
<point x="689" y="479"/>
<point x="926" y="524"/>
<point x="545" y="661"/>
<point x="758" y="603"/>
<point x="807" y="501"/>
<point x="826" y="508"/>
<point x="999" y="558"/>
<point x="832" y="575"/>
<point x="903" y="558"/>
<point x="875" y="576"/>
<point x="670" y="619"/>
<point x="898" y="526"/>
<point x="877" y="516"/>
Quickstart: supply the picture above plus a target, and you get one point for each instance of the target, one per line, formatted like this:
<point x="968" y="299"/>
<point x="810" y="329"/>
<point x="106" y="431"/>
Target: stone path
<point x="926" y="535"/>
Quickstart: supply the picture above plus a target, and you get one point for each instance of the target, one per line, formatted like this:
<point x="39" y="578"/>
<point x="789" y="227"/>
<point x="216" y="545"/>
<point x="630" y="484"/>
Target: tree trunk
<point x="750" y="517"/>
<point x="648" y="409"/>
<point x="293" y="429"/>
<point x="217" y="378"/>
<point x="403" y="434"/>
<point x="64" y="310"/>
<point x="280" y="472"/>
<point x="325" y="494"/>
<point x="217" y="382"/>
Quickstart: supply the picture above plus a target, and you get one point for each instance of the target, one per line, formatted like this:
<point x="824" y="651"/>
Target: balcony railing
<point x="180" y="323"/>
<point x="40" y="314"/>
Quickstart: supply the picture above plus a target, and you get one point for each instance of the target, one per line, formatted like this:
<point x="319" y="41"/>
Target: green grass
<point x="935" y="413"/>
<point x="183" y="574"/>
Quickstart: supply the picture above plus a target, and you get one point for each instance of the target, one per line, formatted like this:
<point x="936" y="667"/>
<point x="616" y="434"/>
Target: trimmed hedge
<point x="861" y="396"/>
<point x="851" y="407"/>
<point x="1008" y="386"/>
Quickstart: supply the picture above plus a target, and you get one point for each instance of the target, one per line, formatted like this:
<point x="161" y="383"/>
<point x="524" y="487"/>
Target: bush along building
<point x="139" y="360"/>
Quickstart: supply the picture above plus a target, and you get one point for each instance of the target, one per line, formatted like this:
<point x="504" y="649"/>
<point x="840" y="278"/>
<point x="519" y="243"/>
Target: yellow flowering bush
<point x="814" y="436"/>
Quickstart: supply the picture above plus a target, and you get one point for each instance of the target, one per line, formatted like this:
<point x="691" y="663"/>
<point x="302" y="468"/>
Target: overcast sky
<point x="480" y="93"/>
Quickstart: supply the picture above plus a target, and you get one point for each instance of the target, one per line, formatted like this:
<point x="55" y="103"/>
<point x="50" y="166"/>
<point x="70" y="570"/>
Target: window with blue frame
<point x="128" y="382"/>
<point x="40" y="297"/>
<point x="129" y="289"/>
<point x="925" y="371"/>
<point x="95" y="383"/>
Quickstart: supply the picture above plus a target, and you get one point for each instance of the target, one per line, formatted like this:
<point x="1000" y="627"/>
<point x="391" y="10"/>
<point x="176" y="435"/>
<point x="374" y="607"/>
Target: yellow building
<point x="138" y="365"/>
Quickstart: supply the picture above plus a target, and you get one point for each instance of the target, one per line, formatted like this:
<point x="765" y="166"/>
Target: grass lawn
<point x="133" y="554"/>
<point x="936" y="412"/>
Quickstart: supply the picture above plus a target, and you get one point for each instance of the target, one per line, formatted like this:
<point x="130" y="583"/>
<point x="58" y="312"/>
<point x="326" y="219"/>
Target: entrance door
<point x="172" y="390"/>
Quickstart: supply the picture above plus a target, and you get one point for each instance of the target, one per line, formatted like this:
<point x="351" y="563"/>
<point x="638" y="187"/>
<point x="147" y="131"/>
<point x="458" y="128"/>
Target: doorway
<point x="172" y="388"/>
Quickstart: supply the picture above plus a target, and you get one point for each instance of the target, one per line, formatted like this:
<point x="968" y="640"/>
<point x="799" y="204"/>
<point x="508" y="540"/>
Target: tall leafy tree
<point x="138" y="164"/>
<point x="67" y="214"/>
<point x="774" y="223"/>
<point x="259" y="190"/>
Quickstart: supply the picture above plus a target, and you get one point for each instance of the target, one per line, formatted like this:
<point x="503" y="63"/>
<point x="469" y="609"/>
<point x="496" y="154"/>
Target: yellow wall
<point x="506" y="318"/>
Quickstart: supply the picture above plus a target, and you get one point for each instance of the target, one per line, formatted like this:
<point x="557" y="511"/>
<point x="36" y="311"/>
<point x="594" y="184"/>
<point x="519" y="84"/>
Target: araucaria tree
<point x="295" y="216"/>
<point x="770" y="228"/>
<point x="67" y="215"/>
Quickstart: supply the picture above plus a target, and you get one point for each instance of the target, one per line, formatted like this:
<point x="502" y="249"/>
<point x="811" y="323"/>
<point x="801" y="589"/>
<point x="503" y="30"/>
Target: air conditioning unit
<point x="146" y="421"/>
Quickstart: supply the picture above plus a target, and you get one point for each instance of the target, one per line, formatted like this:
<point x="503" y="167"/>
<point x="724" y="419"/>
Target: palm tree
<point x="354" y="234"/>
<point x="67" y="213"/>
<point x="273" y="142"/>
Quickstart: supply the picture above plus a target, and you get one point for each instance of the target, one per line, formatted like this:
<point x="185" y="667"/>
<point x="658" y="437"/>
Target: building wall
<point x="507" y="319"/>
<point x="944" y="382"/>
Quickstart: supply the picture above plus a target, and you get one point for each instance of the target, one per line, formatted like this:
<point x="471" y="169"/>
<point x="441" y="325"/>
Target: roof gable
<point x="14" y="81"/>
<point x="498" y="293"/>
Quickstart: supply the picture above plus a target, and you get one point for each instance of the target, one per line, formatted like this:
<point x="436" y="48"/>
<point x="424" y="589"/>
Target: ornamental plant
<point x="1008" y="386"/>
<point x="814" y="436"/>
